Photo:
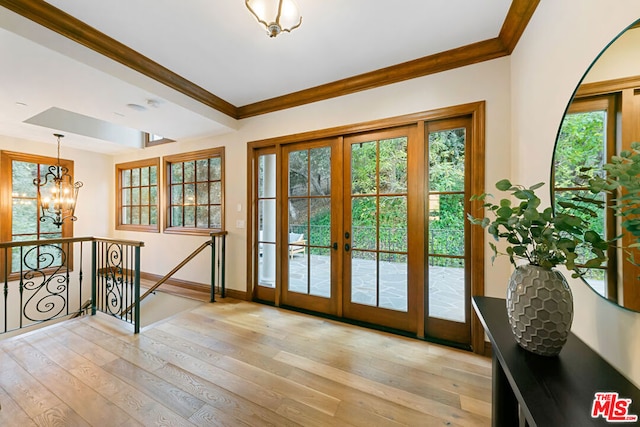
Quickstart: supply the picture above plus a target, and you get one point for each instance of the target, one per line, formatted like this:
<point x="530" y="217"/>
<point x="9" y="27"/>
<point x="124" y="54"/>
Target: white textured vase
<point x="540" y="309"/>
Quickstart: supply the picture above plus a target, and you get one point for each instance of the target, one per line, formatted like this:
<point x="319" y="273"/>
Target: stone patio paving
<point x="446" y="284"/>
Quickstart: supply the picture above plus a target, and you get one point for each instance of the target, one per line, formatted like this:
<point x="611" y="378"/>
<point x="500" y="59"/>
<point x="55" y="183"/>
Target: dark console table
<point x="547" y="391"/>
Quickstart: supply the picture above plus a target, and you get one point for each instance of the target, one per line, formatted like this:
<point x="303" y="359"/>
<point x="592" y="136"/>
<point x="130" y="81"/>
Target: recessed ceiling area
<point x="217" y="51"/>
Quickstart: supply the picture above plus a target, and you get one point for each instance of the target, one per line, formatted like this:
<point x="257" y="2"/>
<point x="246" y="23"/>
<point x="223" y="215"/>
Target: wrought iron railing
<point x="116" y="281"/>
<point x="43" y="280"/>
<point x="218" y="257"/>
<point x="391" y="239"/>
<point x="442" y="241"/>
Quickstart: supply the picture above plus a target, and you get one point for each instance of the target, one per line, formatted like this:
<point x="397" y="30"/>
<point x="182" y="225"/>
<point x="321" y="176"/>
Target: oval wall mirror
<point x="602" y="119"/>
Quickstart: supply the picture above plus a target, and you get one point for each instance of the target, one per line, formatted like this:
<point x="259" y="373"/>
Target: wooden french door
<point x="378" y="230"/>
<point x="346" y="224"/>
<point x="448" y="258"/>
<point x="371" y="225"/>
<point x="311" y="189"/>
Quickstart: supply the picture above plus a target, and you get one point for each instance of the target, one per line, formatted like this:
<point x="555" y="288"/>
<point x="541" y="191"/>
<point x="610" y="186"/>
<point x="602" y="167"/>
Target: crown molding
<point x="518" y="17"/>
<point x="43" y="13"/>
<point x="72" y="28"/>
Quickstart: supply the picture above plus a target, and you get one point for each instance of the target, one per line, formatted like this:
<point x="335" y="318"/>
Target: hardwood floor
<point x="236" y="363"/>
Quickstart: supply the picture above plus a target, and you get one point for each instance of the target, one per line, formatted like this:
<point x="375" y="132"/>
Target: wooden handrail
<point x="171" y="273"/>
<point x="13" y="244"/>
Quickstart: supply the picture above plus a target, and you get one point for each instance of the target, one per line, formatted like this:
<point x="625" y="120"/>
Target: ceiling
<point x="198" y="67"/>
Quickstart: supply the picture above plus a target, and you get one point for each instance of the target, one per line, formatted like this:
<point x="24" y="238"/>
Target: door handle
<point x="346" y="235"/>
<point x="335" y="246"/>
<point x="347" y="247"/>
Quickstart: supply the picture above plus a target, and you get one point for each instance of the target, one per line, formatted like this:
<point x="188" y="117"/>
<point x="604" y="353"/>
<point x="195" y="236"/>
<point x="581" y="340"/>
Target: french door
<point x="371" y="226"/>
<point x="378" y="231"/>
<point x="346" y="227"/>
<point x="310" y="226"/>
<point x="448" y="257"/>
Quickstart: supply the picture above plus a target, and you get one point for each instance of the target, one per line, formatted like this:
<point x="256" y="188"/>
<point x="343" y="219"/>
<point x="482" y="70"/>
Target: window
<point x="138" y="201"/>
<point x="586" y="140"/>
<point x="194" y="184"/>
<point x="19" y="207"/>
<point x="151" y="140"/>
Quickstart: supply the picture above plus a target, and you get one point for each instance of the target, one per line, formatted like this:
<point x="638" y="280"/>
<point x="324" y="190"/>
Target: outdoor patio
<point x="446" y="284"/>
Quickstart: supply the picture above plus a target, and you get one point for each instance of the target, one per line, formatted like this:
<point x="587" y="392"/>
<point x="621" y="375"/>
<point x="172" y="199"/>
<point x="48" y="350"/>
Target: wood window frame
<point x="626" y="90"/>
<point x="166" y="176"/>
<point x="120" y="167"/>
<point x="6" y="212"/>
<point x="609" y="103"/>
<point x="149" y="142"/>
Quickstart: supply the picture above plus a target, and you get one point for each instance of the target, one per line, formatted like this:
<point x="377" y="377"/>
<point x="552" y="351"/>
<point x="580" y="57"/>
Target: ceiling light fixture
<point x="60" y="204"/>
<point x="276" y="16"/>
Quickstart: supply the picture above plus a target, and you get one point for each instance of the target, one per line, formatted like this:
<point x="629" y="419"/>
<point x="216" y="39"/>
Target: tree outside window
<point x="20" y="211"/>
<point x="138" y="199"/>
<point x="194" y="185"/>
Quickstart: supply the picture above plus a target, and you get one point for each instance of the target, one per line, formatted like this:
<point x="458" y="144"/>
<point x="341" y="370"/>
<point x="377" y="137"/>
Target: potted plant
<point x="536" y="240"/>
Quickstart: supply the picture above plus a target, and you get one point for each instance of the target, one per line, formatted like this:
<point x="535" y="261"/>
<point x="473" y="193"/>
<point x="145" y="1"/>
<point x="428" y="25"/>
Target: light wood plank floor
<point x="236" y="363"/>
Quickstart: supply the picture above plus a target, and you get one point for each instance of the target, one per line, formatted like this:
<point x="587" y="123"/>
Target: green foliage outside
<point x="579" y="155"/>
<point x="25" y="224"/>
<point x="446" y="211"/>
<point x="379" y="196"/>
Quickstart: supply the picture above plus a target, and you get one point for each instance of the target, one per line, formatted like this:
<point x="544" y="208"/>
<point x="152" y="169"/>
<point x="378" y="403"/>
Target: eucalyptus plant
<point x="539" y="236"/>
<point x="623" y="177"/>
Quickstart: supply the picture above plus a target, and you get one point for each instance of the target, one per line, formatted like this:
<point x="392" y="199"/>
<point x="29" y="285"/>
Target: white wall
<point x="620" y="59"/>
<point x="559" y="44"/>
<point x="486" y="81"/>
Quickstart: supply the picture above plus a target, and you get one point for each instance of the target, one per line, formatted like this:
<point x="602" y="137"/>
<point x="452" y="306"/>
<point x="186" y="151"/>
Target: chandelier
<point x="276" y="16"/>
<point x="60" y="203"/>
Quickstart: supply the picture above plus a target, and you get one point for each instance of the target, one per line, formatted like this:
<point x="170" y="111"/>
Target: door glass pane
<point x="320" y="266"/>
<point x="393" y="282"/>
<point x="298" y="219"/>
<point x="364" y="168"/>
<point x="320" y="171"/>
<point x="446" y="160"/>
<point x="320" y="222"/>
<point x="267" y="265"/>
<point x="393" y="166"/>
<point x="309" y="222"/>
<point x="266" y="220"/>
<point x="446" y="288"/>
<point x="364" y="222"/>
<point x="446" y="225"/>
<point x="267" y="176"/>
<point x="392" y="235"/>
<point x="299" y="273"/>
<point x="379" y="223"/>
<point x="298" y="172"/>
<point x="364" y="277"/>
